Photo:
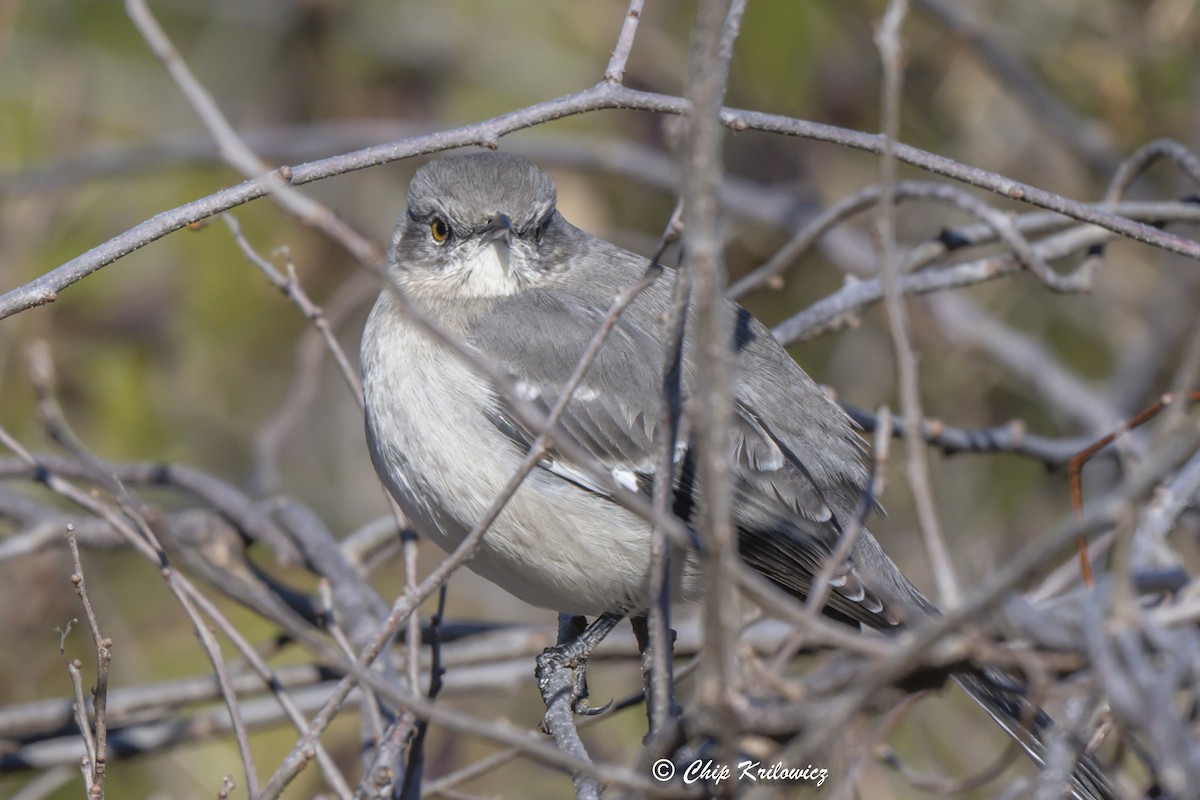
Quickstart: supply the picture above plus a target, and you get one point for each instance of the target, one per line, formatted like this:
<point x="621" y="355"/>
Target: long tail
<point x="1012" y="711"/>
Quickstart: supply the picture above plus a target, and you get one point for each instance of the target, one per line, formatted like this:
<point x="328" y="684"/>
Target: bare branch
<point x="45" y="288"/>
<point x="615" y="71"/>
<point x="1133" y="167"/>
<point x="887" y="39"/>
<point x="236" y="152"/>
<point x="717" y="24"/>
<point x="291" y="288"/>
<point x="1130" y="642"/>
<point x="79" y="709"/>
<point x="1079" y="136"/>
<point x="98" y="751"/>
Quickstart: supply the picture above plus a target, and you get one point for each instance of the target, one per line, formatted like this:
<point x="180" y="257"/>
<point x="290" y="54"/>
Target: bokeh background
<point x="182" y="352"/>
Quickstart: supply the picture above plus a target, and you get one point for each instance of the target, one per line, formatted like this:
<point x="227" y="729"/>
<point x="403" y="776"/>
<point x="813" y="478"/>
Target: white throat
<point x="488" y="272"/>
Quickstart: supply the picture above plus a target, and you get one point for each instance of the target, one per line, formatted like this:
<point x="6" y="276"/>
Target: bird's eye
<point x="439" y="230"/>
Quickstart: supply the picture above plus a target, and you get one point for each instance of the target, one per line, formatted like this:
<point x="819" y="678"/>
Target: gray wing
<point x="538" y="338"/>
<point x="789" y="514"/>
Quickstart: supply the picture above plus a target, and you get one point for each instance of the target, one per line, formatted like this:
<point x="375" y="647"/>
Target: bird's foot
<point x="576" y="643"/>
<point x="555" y="660"/>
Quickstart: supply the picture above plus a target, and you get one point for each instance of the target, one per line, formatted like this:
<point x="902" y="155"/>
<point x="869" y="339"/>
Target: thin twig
<point x="815" y="602"/>
<point x="414" y="771"/>
<point x="291" y="288"/>
<point x="79" y="708"/>
<point x="1035" y="556"/>
<point x="557" y="689"/>
<point x="270" y="679"/>
<point x="718" y="678"/>
<point x="1137" y="164"/>
<point x="615" y="71"/>
<point x="144" y="540"/>
<point x="887" y="39"/>
<point x="45" y="288"/>
<point x="43" y="378"/>
<point x="1079" y="136"/>
<point x="858" y="295"/>
<point x="408" y="602"/>
<point x="307" y="380"/>
<point x="213" y="649"/>
<point x="42" y="374"/>
<point x="99" y="756"/>
<point x="249" y="517"/>
<point x="945" y="786"/>
<point x="659" y="706"/>
<point x="1010" y="437"/>
<point x="1026" y="358"/>
<point x="412" y="640"/>
<point x="237" y="153"/>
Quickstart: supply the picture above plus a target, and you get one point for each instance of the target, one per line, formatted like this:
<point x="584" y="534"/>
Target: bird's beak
<point x="499" y="227"/>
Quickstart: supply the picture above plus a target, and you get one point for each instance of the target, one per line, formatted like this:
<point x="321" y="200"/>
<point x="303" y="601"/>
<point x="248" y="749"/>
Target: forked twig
<point x="1077" y="462"/>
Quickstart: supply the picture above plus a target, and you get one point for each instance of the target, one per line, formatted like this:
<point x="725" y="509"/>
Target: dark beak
<point x="499" y="227"/>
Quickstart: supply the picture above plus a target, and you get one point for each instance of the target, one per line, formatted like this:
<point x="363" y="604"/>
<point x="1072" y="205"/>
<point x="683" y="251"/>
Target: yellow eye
<point x="439" y="230"/>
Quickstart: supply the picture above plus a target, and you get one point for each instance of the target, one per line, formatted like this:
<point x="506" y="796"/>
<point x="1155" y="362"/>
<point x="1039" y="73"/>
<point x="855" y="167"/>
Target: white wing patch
<point x="570" y="473"/>
<point x="527" y="391"/>
<point x="626" y="478"/>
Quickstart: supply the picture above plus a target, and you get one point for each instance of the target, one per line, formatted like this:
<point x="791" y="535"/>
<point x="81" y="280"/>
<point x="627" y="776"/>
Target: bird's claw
<point x="554" y="660"/>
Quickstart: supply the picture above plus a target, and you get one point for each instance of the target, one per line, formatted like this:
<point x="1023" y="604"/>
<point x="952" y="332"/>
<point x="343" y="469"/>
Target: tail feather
<point x="1013" y="712"/>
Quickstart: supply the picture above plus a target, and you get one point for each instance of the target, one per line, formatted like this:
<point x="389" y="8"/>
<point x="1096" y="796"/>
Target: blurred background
<point x="183" y="353"/>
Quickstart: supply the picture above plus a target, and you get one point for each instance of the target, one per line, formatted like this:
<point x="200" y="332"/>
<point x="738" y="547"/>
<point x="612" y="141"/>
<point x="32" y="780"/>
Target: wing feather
<point x="789" y="519"/>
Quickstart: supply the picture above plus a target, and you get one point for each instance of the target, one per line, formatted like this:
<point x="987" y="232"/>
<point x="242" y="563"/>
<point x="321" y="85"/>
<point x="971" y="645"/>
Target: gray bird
<point x="483" y="251"/>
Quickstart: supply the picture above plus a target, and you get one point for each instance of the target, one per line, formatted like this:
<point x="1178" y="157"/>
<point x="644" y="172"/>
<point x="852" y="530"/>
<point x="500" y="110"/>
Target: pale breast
<point x="555" y="545"/>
